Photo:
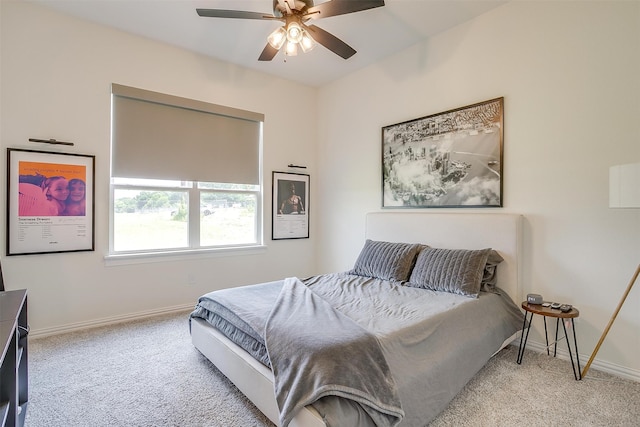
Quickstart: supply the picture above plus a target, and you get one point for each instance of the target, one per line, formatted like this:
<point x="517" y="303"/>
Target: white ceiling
<point x="374" y="34"/>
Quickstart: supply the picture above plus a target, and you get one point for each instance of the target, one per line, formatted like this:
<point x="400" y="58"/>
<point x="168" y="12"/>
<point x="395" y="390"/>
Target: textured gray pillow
<point x="386" y="260"/>
<point x="489" y="276"/>
<point x="458" y="271"/>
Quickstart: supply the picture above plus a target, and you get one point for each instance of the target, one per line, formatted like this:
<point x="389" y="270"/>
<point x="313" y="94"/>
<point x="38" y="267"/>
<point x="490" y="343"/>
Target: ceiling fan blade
<point x="238" y="14"/>
<point x="268" y="53"/>
<point x="340" y="7"/>
<point x="331" y="42"/>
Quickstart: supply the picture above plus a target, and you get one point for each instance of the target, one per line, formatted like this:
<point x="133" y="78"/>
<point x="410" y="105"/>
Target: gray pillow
<point x="458" y="271"/>
<point x="489" y="276"/>
<point x="386" y="260"/>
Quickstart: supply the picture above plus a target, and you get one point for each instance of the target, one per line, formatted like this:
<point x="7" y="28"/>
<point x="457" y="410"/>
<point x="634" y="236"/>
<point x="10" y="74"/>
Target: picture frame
<point x="290" y="206"/>
<point x="452" y="159"/>
<point x="50" y="202"/>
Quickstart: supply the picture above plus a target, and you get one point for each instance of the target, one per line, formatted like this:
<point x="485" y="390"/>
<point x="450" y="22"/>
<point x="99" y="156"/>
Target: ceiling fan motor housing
<point x="280" y="6"/>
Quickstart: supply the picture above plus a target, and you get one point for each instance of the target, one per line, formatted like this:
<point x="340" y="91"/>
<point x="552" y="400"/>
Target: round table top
<point x="550" y="312"/>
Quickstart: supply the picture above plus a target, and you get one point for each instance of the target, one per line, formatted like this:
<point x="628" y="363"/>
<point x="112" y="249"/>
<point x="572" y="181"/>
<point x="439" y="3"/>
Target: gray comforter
<point x="433" y="343"/>
<point x="316" y="351"/>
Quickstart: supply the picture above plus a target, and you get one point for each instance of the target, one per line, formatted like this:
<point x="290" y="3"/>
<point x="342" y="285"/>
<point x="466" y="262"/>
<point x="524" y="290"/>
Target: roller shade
<point x="158" y="136"/>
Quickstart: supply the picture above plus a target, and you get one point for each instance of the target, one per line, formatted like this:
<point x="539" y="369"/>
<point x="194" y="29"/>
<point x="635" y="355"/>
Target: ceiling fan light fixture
<point x="277" y="38"/>
<point x="307" y="42"/>
<point x="294" y="32"/>
<point x="291" y="49"/>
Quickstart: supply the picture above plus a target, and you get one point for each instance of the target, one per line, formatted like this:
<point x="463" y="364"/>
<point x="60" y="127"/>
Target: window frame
<point x="226" y="132"/>
<point x="194" y="245"/>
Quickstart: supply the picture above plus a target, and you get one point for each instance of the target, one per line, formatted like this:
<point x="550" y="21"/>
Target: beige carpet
<point x="147" y="373"/>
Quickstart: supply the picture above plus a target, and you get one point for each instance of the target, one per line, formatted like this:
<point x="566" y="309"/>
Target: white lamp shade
<point x="624" y="186"/>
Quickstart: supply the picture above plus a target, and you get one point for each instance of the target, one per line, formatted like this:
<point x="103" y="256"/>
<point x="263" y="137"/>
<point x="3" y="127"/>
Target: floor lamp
<point x="624" y="192"/>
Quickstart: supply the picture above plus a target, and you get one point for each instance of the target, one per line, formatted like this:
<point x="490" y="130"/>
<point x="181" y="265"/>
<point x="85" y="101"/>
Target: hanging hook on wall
<point x="51" y="141"/>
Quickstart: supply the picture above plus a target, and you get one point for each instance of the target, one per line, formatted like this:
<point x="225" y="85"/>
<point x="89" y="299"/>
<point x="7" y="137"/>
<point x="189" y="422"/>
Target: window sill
<point x="180" y="255"/>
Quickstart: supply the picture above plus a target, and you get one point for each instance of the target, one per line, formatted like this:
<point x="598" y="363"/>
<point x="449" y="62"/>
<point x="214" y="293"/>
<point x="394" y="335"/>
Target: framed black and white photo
<point x="445" y="160"/>
<point x="290" y="210"/>
<point x="50" y="202"/>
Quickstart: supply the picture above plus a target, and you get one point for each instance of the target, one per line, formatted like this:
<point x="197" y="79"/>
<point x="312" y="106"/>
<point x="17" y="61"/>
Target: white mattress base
<point x="251" y="377"/>
<point x="508" y="341"/>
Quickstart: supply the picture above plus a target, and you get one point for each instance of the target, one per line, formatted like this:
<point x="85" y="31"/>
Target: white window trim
<point x="182" y="255"/>
<point x="160" y="255"/>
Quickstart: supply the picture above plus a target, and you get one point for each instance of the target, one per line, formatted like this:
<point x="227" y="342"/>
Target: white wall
<point x="55" y="83"/>
<point x="569" y="74"/>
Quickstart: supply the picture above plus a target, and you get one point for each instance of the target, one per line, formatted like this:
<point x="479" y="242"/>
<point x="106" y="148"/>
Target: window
<point x="185" y="175"/>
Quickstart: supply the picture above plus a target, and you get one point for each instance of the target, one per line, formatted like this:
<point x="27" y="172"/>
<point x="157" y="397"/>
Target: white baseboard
<point x="600" y="365"/>
<point x="34" y="333"/>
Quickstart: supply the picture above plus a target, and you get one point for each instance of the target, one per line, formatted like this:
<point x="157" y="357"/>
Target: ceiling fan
<point x="295" y="32"/>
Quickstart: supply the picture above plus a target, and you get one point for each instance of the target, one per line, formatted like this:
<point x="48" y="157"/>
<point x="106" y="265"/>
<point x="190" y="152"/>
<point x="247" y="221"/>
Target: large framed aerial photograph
<point x="451" y="159"/>
<point x="50" y="202"/>
<point x="290" y="210"/>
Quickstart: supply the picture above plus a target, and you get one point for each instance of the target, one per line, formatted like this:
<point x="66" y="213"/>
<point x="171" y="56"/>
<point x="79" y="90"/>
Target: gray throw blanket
<point x="316" y="351"/>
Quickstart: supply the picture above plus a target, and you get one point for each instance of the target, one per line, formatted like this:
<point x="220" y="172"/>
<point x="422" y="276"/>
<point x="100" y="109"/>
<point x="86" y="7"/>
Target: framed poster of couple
<point x="50" y="202"/>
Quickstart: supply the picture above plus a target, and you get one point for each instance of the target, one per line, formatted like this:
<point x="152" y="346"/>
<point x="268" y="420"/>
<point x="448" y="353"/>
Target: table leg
<point x="524" y="337"/>
<point x="555" y="344"/>
<point x="575" y="375"/>
<point x="575" y="343"/>
<point x="575" y="346"/>
<point x="546" y="337"/>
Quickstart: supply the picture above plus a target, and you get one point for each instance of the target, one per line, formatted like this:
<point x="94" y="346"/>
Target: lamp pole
<point x="615" y="314"/>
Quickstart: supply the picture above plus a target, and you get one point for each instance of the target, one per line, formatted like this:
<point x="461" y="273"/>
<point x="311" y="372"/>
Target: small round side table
<point x="531" y="309"/>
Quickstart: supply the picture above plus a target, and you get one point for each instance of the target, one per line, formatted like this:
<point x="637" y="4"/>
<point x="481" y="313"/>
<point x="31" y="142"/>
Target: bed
<point x="421" y="346"/>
